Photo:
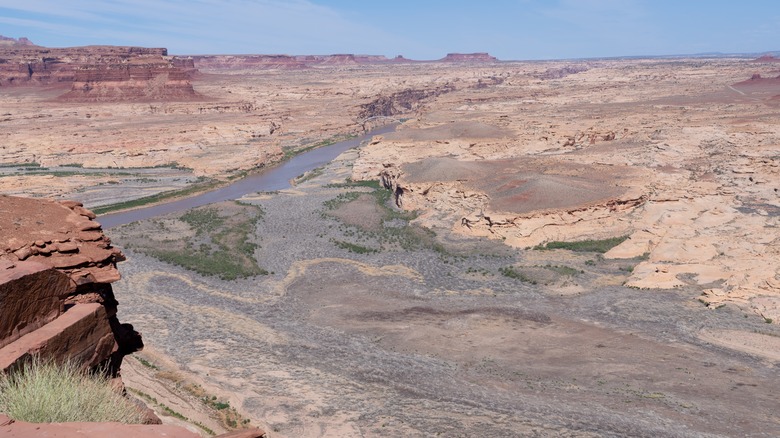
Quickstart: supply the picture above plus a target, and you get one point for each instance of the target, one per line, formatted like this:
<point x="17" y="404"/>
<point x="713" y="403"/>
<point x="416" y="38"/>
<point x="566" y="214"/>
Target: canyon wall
<point x="99" y="73"/>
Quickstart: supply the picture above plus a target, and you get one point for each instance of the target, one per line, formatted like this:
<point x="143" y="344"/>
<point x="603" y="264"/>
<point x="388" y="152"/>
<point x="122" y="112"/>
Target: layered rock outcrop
<point x="100" y="73"/>
<point x="56" y="270"/>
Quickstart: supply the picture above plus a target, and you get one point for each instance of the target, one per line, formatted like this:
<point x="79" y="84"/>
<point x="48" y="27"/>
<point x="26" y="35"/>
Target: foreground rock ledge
<point x="56" y="270"/>
<point x="19" y="429"/>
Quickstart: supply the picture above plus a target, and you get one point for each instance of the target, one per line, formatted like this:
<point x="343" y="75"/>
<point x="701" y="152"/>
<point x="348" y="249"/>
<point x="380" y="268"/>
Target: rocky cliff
<point x="99" y="73"/>
<point x="56" y="270"/>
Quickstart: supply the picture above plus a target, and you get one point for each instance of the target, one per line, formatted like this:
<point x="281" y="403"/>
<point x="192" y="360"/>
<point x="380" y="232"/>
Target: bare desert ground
<point x="427" y="283"/>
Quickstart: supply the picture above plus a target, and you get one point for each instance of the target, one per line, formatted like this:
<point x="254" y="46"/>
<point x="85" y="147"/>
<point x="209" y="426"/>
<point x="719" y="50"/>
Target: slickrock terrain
<point x="245" y="118"/>
<point x="681" y="157"/>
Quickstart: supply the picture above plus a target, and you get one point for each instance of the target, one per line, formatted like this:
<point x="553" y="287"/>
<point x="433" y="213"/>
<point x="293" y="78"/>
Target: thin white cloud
<point x="42" y="25"/>
<point x="201" y="26"/>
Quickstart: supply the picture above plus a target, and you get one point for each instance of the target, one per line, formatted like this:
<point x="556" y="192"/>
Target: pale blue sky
<point x="508" y="29"/>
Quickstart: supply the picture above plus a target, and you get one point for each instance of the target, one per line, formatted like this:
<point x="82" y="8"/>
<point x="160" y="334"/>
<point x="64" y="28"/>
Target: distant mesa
<point x="236" y="63"/>
<point x="757" y="79"/>
<point x="767" y="58"/>
<point x="7" y="41"/>
<point x="222" y="63"/>
<point x="98" y="73"/>
<point x="469" y="57"/>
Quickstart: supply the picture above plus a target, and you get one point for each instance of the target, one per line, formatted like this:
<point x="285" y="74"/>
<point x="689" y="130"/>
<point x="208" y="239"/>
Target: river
<point x="273" y="178"/>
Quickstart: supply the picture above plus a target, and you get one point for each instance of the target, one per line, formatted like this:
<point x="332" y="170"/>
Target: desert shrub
<point x="44" y="392"/>
<point x="352" y="247"/>
<point x="600" y="246"/>
<point x="222" y="247"/>
<point x="509" y="271"/>
<point x="564" y="270"/>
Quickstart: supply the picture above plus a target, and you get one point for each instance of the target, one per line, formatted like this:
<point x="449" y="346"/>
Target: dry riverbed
<point x="367" y="325"/>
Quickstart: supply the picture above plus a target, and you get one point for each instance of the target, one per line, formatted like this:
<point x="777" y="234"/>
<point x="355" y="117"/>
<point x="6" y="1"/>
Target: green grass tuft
<point x="44" y="392"/>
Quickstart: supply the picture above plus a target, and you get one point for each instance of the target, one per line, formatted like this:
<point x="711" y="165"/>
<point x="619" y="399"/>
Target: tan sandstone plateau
<point x="680" y="156"/>
<point x="405" y="288"/>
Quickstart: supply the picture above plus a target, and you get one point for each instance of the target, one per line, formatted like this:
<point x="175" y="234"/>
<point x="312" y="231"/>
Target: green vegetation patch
<point x="21" y="165"/>
<point x="45" y="392"/>
<point x="165" y="410"/>
<point x="201" y="186"/>
<point x="352" y="247"/>
<point x="300" y="179"/>
<point x="567" y="271"/>
<point x="218" y="240"/>
<point x="599" y="246"/>
<point x="511" y="272"/>
<point x="367" y="216"/>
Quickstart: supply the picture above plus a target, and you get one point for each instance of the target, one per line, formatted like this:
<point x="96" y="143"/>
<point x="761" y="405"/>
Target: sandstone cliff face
<point x="56" y="270"/>
<point x="100" y="73"/>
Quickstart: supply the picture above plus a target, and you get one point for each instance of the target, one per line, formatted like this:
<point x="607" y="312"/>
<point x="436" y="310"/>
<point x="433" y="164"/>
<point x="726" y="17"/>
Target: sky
<point x="418" y="29"/>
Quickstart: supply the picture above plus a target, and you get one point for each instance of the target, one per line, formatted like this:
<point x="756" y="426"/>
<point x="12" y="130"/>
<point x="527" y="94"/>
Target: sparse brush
<point x="45" y="392"/>
<point x="599" y="246"/>
<point x="509" y="271"/>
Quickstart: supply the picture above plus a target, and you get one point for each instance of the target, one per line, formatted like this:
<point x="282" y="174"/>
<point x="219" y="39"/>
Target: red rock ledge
<point x="56" y="270"/>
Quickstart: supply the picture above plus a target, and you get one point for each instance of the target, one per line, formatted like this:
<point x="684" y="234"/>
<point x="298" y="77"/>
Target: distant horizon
<point x="659" y="56"/>
<point x="510" y="30"/>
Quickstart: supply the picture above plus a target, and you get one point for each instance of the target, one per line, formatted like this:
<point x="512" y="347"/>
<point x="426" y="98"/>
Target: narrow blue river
<point x="273" y="178"/>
